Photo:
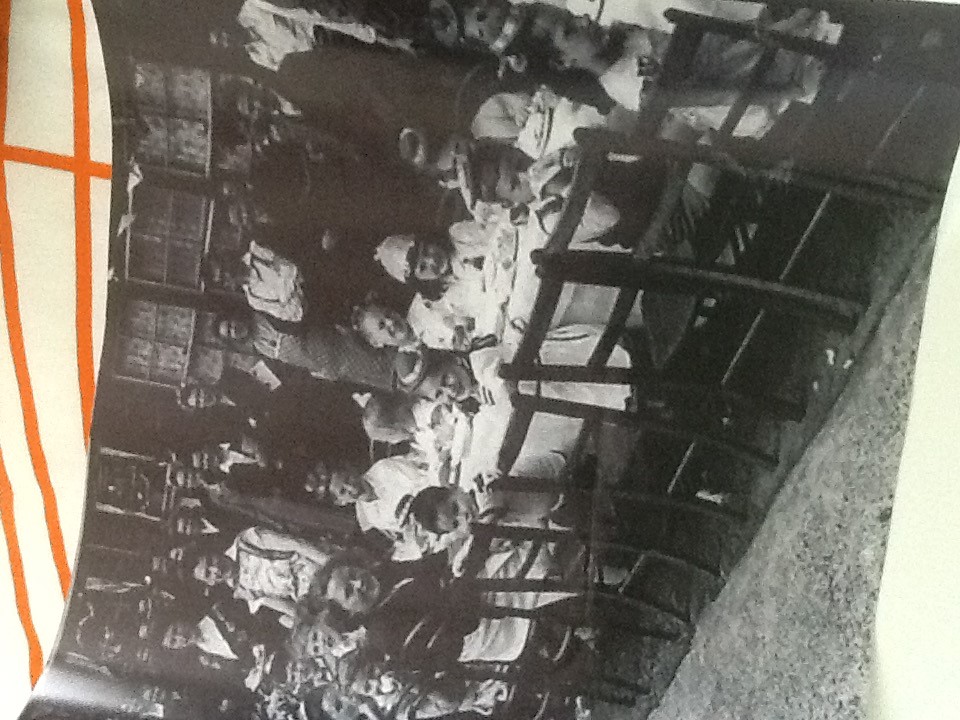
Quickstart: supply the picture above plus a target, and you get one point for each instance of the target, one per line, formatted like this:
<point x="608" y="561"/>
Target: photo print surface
<point x="457" y="349"/>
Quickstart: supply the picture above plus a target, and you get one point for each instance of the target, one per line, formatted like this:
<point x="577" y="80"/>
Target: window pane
<point x="147" y="259"/>
<point x="129" y="484"/>
<point x="135" y="358"/>
<point x="189" y="217"/>
<point x="175" y="325"/>
<point x="153" y="146"/>
<point x="183" y="264"/>
<point x="150" y="86"/>
<point x="170" y="365"/>
<point x="139" y="319"/>
<point x="189" y="92"/>
<point x="153" y="208"/>
<point x="189" y="147"/>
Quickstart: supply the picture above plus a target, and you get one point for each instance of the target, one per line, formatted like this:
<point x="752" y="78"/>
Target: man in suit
<point x="292" y="422"/>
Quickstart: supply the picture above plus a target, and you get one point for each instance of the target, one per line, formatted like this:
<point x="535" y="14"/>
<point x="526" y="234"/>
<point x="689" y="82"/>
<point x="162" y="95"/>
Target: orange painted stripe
<point x="8" y="520"/>
<point x="11" y="300"/>
<point x="84" y="309"/>
<point x="41" y="158"/>
<point x="84" y="234"/>
<point x="30" y="419"/>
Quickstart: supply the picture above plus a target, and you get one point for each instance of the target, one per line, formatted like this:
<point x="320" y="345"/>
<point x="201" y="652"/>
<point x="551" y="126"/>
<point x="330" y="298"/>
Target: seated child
<point x="550" y="438"/>
<point x="436" y="376"/>
<point x="539" y="124"/>
<point x="433" y="430"/>
<point x="521" y="36"/>
<point x="543" y="125"/>
<point x="387" y="419"/>
<point x="382" y="326"/>
<point x="438" y="267"/>
<point x="626" y="59"/>
<point x="449" y="514"/>
<point x="375" y="494"/>
<point x="501" y="184"/>
<point x="503" y="187"/>
<point x="426" y="325"/>
<point x="325" y="352"/>
<point x="461" y="279"/>
<point x="362" y="636"/>
<point x="443" y="510"/>
<point x="436" y="327"/>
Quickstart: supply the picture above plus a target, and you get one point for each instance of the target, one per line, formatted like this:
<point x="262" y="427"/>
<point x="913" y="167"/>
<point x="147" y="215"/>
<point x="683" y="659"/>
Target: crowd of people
<point x="391" y="224"/>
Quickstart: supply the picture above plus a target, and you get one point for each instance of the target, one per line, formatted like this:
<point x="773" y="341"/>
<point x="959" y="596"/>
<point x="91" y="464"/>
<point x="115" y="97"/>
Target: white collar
<point x="212" y="640"/>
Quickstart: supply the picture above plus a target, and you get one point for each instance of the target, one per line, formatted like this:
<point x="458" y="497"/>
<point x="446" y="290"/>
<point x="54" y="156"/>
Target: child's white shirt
<point x="274" y="284"/>
<point x="479" y="283"/>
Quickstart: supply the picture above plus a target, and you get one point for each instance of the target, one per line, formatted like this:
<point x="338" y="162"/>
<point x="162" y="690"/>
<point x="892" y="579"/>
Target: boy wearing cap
<point x="462" y="280"/>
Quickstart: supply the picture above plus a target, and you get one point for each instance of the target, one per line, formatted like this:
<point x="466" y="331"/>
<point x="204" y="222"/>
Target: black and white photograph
<point x="461" y="356"/>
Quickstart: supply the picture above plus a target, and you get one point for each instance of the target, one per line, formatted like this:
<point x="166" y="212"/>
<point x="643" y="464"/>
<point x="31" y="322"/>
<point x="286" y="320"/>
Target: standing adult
<point x="327" y="353"/>
<point x="296" y="416"/>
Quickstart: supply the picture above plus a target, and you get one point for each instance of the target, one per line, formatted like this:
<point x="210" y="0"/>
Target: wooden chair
<point x="631" y="273"/>
<point x="549" y="672"/>
<point x="702" y="278"/>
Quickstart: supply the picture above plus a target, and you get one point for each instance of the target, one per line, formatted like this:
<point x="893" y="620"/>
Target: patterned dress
<point x="327" y="353"/>
<point x="273" y="565"/>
